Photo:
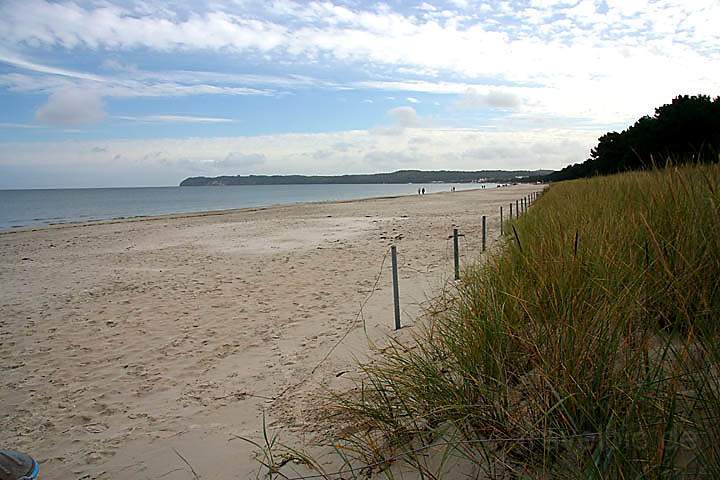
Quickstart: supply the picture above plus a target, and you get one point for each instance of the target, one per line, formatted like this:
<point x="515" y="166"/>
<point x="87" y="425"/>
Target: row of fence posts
<point x="521" y="206"/>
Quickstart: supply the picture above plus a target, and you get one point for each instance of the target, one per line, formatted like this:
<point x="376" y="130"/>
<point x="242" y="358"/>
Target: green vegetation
<point x="589" y="348"/>
<point x="688" y="129"/>
<point x="401" y="176"/>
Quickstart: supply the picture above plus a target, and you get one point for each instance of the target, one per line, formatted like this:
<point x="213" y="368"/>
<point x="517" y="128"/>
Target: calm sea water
<point x="24" y="208"/>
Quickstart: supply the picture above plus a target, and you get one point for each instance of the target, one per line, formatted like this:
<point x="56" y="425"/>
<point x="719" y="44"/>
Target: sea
<point x="40" y="207"/>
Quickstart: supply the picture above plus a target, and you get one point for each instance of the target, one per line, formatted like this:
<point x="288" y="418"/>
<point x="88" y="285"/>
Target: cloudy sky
<point x="124" y="93"/>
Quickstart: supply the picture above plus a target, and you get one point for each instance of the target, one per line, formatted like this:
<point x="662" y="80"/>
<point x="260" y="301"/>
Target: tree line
<point x="685" y="130"/>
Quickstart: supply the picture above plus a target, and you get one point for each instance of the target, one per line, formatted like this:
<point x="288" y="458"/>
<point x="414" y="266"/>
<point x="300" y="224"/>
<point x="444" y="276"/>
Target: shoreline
<point x="208" y="213"/>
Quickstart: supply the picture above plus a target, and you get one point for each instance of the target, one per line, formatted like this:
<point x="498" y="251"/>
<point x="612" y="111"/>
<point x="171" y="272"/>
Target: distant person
<point x="423" y="190"/>
<point x="418" y="191"/>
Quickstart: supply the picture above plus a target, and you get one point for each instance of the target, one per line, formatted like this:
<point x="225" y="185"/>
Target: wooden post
<point x="501" y="221"/>
<point x="396" y="293"/>
<point x="484" y="232"/>
<point x="511" y="211"/>
<point x="517" y="209"/>
<point x="456" y="250"/>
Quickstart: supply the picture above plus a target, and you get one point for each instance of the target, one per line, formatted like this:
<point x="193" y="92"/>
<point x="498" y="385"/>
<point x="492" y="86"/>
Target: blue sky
<point x="109" y="93"/>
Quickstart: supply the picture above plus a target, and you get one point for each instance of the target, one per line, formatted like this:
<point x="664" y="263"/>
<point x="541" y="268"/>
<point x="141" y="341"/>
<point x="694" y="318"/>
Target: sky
<point x="139" y="93"/>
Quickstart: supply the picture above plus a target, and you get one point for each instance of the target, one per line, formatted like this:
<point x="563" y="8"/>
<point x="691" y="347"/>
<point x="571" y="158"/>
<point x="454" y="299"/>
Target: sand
<point x="125" y="345"/>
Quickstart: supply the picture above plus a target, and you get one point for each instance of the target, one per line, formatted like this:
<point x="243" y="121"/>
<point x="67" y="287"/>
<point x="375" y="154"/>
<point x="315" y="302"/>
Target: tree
<point x="685" y="130"/>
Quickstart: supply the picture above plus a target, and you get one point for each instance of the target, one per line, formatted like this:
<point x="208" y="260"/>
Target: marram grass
<point x="589" y="348"/>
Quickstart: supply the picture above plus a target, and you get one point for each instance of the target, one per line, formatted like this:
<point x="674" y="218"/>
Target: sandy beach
<point x="127" y="346"/>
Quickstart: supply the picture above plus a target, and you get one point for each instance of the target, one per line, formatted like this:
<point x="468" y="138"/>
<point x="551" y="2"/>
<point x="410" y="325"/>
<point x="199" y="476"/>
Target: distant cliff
<point x="401" y="176"/>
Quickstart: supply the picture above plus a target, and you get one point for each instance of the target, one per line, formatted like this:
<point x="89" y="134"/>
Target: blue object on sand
<point x="17" y="466"/>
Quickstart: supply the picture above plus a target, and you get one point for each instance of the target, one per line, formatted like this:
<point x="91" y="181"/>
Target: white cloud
<point x="405" y="117"/>
<point x="627" y="7"/>
<point x="71" y="108"/>
<point x="70" y="25"/>
<point x="412" y="100"/>
<point x="385" y="161"/>
<point x="427" y="7"/>
<point x="585" y="12"/>
<point x="235" y="161"/>
<point x="491" y="99"/>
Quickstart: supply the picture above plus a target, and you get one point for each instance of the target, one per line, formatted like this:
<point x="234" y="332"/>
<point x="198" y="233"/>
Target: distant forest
<point x="686" y="130"/>
<point x="401" y="176"/>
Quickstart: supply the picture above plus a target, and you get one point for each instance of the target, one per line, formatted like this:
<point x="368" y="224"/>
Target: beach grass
<point x="588" y="348"/>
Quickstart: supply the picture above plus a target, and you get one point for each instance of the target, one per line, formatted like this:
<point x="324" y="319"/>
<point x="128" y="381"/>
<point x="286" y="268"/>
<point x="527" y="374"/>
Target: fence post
<point x="517" y="209"/>
<point x="510" y="210"/>
<point x="456" y="253"/>
<point x="396" y="293"/>
<point x="484" y="232"/>
<point x="501" y="221"/>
